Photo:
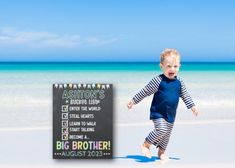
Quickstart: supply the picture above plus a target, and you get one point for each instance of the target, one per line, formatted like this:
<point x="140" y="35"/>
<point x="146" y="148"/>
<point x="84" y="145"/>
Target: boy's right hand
<point x="194" y="110"/>
<point x="130" y="104"/>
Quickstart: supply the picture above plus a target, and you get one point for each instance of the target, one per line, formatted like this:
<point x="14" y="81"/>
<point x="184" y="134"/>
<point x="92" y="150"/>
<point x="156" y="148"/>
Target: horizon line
<point x="75" y="62"/>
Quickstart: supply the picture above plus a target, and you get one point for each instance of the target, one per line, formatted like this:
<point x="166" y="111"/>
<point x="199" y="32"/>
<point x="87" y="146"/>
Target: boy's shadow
<point x="143" y="159"/>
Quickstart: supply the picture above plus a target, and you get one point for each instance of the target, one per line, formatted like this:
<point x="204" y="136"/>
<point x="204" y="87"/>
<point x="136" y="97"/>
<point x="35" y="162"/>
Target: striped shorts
<point x="161" y="134"/>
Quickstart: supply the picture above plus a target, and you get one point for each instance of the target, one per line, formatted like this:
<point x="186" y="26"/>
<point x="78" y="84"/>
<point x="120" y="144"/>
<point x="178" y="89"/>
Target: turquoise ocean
<point x="132" y="66"/>
<point x="26" y="90"/>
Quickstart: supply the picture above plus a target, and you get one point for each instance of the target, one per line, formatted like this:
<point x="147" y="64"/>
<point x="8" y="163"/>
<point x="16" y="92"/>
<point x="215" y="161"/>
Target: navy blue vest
<point x="165" y="100"/>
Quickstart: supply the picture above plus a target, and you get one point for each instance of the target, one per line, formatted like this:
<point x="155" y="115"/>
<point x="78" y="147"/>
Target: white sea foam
<point x="26" y="97"/>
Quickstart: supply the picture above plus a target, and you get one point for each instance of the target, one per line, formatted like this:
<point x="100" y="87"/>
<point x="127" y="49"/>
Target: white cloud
<point x="99" y="41"/>
<point x="9" y="36"/>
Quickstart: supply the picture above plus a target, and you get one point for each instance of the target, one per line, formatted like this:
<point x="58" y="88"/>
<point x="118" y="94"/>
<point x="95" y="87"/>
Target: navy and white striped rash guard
<point x="166" y="97"/>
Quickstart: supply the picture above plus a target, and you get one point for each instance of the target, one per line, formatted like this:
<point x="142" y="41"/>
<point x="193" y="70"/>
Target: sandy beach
<point x="192" y="145"/>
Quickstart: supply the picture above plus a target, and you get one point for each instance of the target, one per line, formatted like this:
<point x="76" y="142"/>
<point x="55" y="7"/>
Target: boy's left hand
<point x="130" y="104"/>
<point x="194" y="110"/>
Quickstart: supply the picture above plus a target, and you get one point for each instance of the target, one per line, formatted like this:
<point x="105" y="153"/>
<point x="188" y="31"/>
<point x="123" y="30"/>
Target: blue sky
<point x="116" y="30"/>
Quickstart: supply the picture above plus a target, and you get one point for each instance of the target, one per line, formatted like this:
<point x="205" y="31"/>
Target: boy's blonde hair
<point x="168" y="52"/>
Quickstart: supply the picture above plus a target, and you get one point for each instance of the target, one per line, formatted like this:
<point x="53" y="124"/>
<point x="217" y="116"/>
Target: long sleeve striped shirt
<point x="166" y="97"/>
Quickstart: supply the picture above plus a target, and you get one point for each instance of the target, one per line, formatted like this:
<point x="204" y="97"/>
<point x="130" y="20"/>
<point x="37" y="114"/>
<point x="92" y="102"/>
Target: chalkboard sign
<point x="82" y="121"/>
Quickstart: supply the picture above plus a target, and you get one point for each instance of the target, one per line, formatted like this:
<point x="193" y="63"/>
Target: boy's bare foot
<point x="163" y="157"/>
<point x="161" y="154"/>
<point x="145" y="150"/>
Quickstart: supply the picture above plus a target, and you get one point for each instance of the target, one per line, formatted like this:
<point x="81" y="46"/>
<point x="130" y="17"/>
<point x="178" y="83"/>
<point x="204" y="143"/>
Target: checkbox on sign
<point x="65" y="130"/>
<point x="65" y="123"/>
<point x="64" y="108"/>
<point x="65" y="115"/>
<point x="65" y="136"/>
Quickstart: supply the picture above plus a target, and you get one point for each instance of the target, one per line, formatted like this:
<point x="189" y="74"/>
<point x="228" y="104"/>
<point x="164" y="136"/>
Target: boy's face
<point x="170" y="66"/>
